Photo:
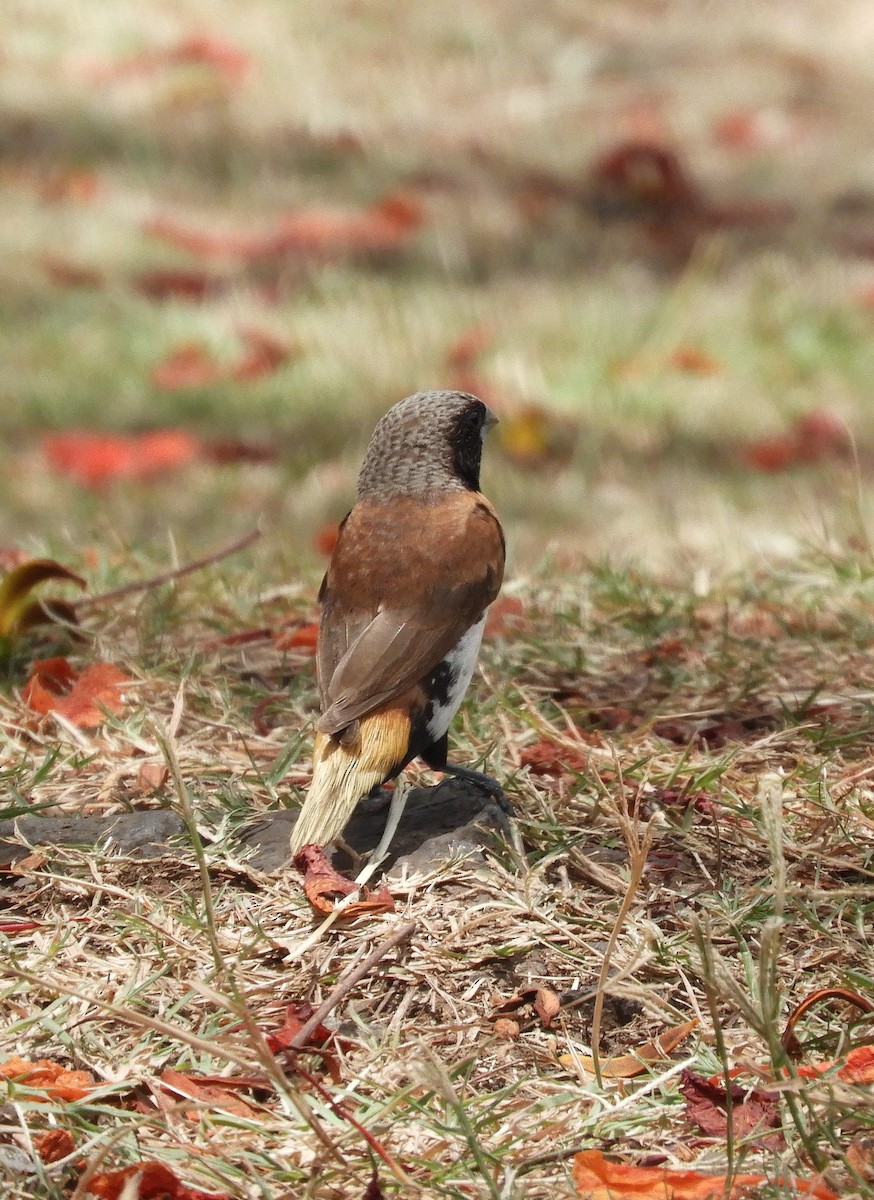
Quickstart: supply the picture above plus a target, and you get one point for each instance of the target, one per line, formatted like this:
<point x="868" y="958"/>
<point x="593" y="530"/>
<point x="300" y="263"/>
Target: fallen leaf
<point x="54" y="1145"/>
<point x="323" y="886"/>
<point x="771" y="453"/>
<point x="193" y="1087"/>
<point x="468" y="346"/>
<point x="789" y="1039"/>
<point x="547" y="1005"/>
<point x="326" y="539"/>
<point x="507" y="613"/>
<point x="858" y="1066"/>
<point x="151" y="778"/>
<point x="146" y="1181"/>
<point x="263" y="355"/>
<point x="66" y="273"/>
<point x="188" y="366"/>
<point x="373" y="1191"/>
<point x="177" y="284"/>
<point x="548" y="758"/>
<point x="71" y="184"/>
<point x="318" y="233"/>
<point x="755" y="1114"/>
<point x="627" y="1066"/>
<point x="304" y="637"/>
<point x="296" y="1016"/>
<point x="49" y="1077"/>
<point x="227" y="451"/>
<point x="598" y="1178"/>
<point x="694" y="361"/>
<point x="82" y="699"/>
<point x="95" y="459"/>
<point x="229" y="61"/>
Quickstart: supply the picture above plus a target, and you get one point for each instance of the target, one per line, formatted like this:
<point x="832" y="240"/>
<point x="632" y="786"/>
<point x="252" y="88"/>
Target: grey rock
<point x="137" y="834"/>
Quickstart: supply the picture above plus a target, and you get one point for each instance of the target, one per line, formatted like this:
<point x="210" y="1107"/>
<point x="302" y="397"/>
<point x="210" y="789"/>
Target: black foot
<point x="377" y="800"/>
<point x="489" y="785"/>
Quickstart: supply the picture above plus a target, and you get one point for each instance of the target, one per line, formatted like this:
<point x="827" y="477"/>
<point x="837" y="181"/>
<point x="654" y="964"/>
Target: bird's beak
<point x="490" y="421"/>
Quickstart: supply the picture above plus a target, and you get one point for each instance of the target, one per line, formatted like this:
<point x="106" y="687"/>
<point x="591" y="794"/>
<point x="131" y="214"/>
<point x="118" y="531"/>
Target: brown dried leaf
<point x="323" y="886"/>
<point x="627" y="1066"/>
<point x="755" y="1114"/>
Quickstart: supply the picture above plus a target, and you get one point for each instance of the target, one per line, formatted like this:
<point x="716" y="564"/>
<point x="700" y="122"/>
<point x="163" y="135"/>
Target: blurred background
<point x="233" y="233"/>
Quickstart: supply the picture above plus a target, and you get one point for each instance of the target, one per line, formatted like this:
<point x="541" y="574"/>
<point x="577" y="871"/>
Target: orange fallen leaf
<point x="263" y="355"/>
<point x="146" y="1181"/>
<point x="54" y="1145"/>
<point x="188" y="366"/>
<point x="468" y="346"/>
<point x="304" y="637"/>
<point x="94" y="459"/>
<point x="694" y="361"/>
<point x="82" y="699"/>
<point x="66" y="273"/>
<point x="49" y="1077"/>
<point x="771" y="453"/>
<point x="193" y="1087"/>
<point x="549" y="758"/>
<point x="229" y="61"/>
<point x="789" y="1039"/>
<point x="507" y="613"/>
<point x="597" y="1178"/>
<point x="320" y="233"/>
<point x="323" y="886"/>
<point x="627" y="1066"/>
<point x="326" y="538"/>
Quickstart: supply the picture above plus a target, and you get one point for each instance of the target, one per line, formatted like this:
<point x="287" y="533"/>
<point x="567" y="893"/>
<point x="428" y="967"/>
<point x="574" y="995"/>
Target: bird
<point x="417" y="561"/>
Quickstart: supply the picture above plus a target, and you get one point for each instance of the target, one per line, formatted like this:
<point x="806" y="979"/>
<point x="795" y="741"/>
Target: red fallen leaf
<point x="468" y="346"/>
<point x="755" y="1114"/>
<point x="373" y="1191"/>
<point x="694" y="361"/>
<point x="506" y="613"/>
<point x="296" y="1016"/>
<point x="226" y="59"/>
<point x="820" y="434"/>
<point x="83" y="700"/>
<point x="96" y="458"/>
<point x="80" y="186"/>
<point x="597" y="1178"/>
<point x="322" y="885"/>
<point x="384" y="227"/>
<point x="226" y="451"/>
<point x="305" y="637"/>
<point x="858" y="1066"/>
<point x="643" y="175"/>
<point x="49" y="1077"/>
<point x="146" y="1181"/>
<point x="548" y="758"/>
<point x="54" y="1145"/>
<point x="264" y="353"/>
<point x="193" y="1087"/>
<point x="66" y="273"/>
<point x="177" y="284"/>
<point x="325" y="539"/>
<point x="771" y="453"/>
<point x="189" y="366"/>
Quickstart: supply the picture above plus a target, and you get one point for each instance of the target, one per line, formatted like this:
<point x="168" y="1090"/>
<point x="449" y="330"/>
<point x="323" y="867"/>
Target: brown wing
<point x="405" y="582"/>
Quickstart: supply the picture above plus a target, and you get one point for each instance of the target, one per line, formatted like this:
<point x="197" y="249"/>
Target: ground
<point x="676" y="693"/>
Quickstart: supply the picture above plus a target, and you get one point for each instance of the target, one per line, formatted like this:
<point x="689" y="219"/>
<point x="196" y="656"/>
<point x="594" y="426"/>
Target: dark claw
<point x="485" y="782"/>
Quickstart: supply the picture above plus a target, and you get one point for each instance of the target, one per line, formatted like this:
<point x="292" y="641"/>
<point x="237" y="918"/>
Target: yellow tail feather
<point x="343" y="775"/>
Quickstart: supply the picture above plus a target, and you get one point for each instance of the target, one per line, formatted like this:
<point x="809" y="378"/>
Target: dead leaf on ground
<point x="506" y="614"/>
<point x="323" y="886"/>
<point x="95" y="459"/>
<point x="226" y="59"/>
<point x="146" y="1181"/>
<point x="325" y="538"/>
<point x="789" y="1039"/>
<point x="534" y="438"/>
<point x="755" y="1114"/>
<point x="54" y="1145"/>
<point x="302" y="637"/>
<point x="598" y="1178"/>
<point x="206" y="1093"/>
<point x="627" y="1066"/>
<point x="549" y="758"/>
<point x="49" y="1077"/>
<point x="545" y="1002"/>
<point x="296" y="1016"/>
<point x="468" y="346"/>
<point x="84" y="699"/>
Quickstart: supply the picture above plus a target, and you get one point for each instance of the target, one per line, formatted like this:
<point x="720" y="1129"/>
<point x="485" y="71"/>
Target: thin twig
<point x="145" y="585"/>
<point x="348" y="981"/>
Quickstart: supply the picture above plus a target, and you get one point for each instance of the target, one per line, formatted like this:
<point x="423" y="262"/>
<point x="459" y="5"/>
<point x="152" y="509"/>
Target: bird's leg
<point x="489" y="785"/>
<point x="395" y="812"/>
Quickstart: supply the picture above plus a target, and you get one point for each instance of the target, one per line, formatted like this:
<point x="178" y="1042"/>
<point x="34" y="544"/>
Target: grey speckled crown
<point x="410" y="452"/>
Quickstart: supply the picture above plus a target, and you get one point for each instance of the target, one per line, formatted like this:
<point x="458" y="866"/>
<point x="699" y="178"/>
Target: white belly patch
<point x="451" y="679"/>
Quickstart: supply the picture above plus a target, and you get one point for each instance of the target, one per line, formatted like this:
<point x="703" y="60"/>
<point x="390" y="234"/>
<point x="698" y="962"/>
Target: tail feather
<point x="344" y="774"/>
